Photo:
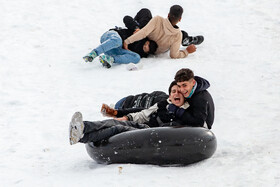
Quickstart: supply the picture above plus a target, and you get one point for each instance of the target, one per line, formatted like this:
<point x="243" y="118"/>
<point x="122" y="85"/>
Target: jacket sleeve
<point x="175" y="51"/>
<point x="144" y="32"/>
<point x="196" y="115"/>
<point x="142" y="116"/>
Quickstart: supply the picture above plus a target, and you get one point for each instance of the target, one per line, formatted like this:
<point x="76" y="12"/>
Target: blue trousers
<point x="111" y="44"/>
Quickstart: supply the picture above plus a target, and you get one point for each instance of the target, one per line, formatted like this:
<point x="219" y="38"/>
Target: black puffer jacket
<point x="137" y="103"/>
<point x="144" y="100"/>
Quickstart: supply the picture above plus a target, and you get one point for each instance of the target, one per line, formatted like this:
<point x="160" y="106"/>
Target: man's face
<point x="185" y="87"/>
<point x="146" y="47"/>
<point x="176" y="97"/>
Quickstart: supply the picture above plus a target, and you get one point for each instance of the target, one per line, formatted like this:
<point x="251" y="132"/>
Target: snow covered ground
<point x="44" y="80"/>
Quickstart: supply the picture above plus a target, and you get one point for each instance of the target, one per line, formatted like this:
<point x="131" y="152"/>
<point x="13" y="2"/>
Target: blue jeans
<point x="119" y="104"/>
<point x="111" y="44"/>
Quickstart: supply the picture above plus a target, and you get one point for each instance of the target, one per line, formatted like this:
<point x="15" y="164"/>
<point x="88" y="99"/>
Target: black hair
<point x="171" y="85"/>
<point x="184" y="74"/>
<point x="153" y="47"/>
<point x="175" y="13"/>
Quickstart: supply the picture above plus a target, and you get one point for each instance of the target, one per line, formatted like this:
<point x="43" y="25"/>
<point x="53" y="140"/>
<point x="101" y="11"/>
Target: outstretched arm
<point x="140" y="117"/>
<point x="124" y="118"/>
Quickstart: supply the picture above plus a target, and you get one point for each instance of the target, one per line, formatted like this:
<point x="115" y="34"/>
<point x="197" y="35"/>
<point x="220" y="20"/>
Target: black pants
<point x="140" y="20"/>
<point x="100" y="130"/>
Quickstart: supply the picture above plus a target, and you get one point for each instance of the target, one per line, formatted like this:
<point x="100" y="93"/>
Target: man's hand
<point x="136" y="30"/>
<point x="175" y="110"/>
<point x="191" y="48"/>
<point x="124" y="118"/>
<point x="125" y="46"/>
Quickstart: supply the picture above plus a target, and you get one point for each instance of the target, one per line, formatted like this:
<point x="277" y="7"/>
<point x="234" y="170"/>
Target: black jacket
<point x="201" y="106"/>
<point x="201" y="110"/>
<point x="136" y="103"/>
<point x="144" y="100"/>
<point x="163" y="117"/>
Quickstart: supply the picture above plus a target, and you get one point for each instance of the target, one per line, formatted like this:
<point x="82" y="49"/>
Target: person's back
<point x="164" y="34"/>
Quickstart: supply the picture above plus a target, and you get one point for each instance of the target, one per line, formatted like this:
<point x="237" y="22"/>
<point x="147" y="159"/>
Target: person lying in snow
<point x="111" y="52"/>
<point x="143" y="17"/>
<point x="168" y="112"/>
<point x="194" y="88"/>
<point x="165" y="32"/>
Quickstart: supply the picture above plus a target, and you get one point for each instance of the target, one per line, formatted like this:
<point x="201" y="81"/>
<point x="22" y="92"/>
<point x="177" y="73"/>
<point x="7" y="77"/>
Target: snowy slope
<point x="43" y="81"/>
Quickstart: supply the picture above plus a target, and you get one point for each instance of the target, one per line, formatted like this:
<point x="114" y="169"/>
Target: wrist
<point x="128" y="117"/>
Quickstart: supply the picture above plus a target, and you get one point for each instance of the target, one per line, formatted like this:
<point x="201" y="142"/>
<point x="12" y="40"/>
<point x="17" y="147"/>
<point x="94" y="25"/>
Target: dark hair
<point x="153" y="47"/>
<point x="171" y="85"/>
<point x="175" y="13"/>
<point x="184" y="74"/>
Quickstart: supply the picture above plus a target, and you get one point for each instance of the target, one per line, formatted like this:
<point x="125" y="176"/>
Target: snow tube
<point x="160" y="146"/>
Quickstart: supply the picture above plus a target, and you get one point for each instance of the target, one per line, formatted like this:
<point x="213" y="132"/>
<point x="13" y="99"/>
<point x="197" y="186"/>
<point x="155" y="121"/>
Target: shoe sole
<point x="104" y="63"/>
<point x="88" y="59"/>
<point x="76" y="128"/>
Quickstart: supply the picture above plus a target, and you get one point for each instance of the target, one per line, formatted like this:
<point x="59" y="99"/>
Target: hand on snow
<point x="191" y="48"/>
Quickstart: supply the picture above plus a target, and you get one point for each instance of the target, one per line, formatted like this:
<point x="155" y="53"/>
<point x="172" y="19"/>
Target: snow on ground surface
<point x="44" y="81"/>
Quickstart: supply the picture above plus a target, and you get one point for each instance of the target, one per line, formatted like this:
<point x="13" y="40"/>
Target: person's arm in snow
<point x="175" y="51"/>
<point x="191" y="48"/>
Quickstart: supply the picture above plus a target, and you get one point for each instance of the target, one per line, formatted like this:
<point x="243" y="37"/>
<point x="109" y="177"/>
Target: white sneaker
<point x="76" y="128"/>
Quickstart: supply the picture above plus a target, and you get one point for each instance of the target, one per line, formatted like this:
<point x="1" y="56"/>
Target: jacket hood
<point x="202" y="84"/>
<point x="168" y="27"/>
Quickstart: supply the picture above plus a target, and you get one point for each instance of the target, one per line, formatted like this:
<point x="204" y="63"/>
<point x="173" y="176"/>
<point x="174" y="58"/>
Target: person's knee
<point x="136" y="58"/>
<point x="127" y="19"/>
<point x="145" y="11"/>
<point x="117" y="41"/>
<point x="119" y="128"/>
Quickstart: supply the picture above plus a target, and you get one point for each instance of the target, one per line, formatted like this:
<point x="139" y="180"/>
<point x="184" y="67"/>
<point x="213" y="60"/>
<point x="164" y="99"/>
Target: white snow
<point x="44" y="81"/>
